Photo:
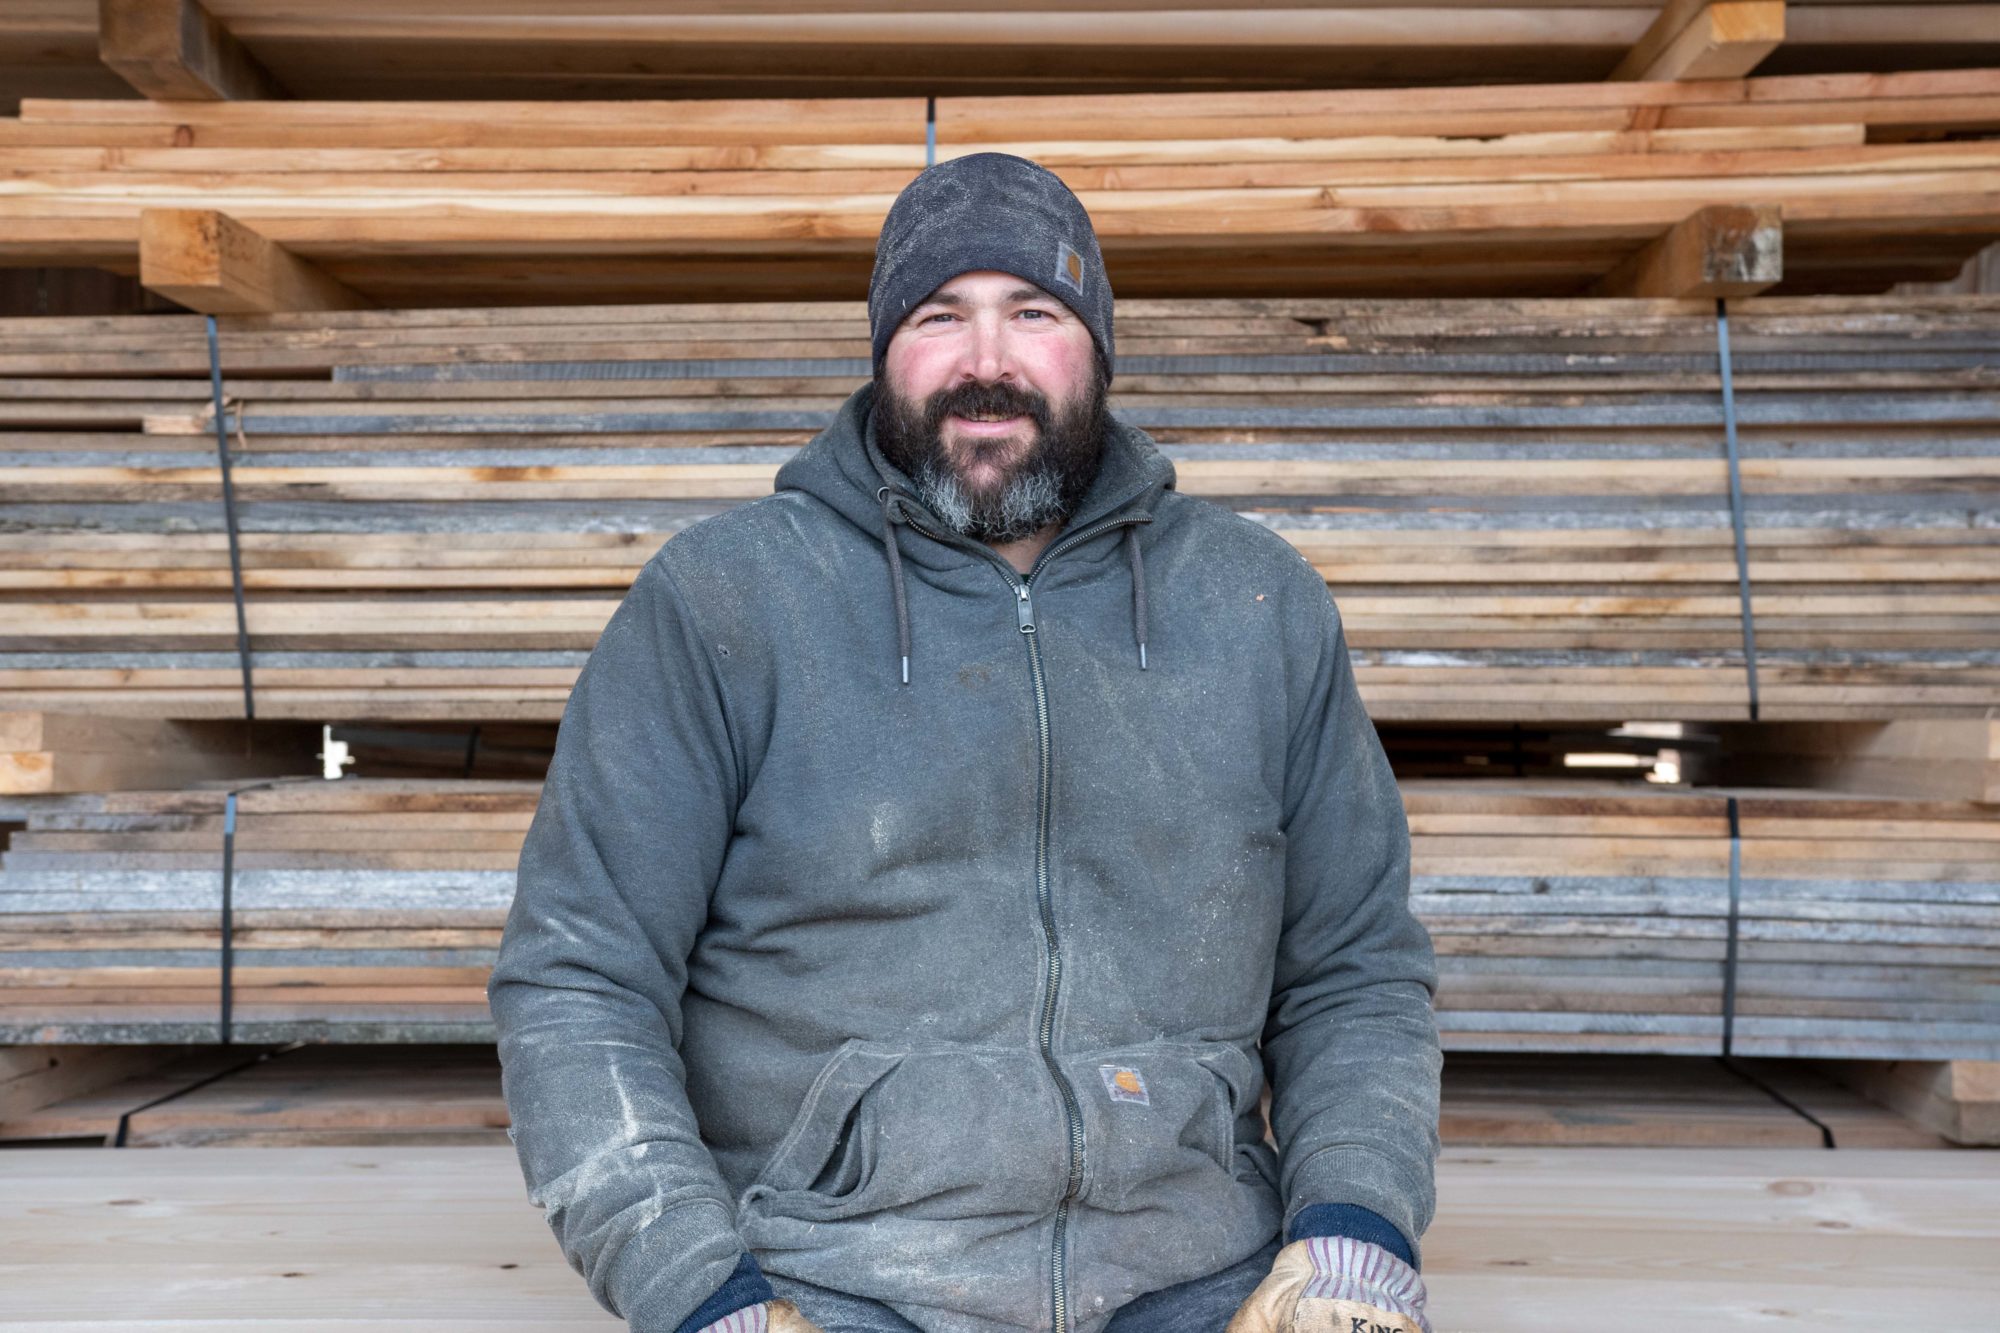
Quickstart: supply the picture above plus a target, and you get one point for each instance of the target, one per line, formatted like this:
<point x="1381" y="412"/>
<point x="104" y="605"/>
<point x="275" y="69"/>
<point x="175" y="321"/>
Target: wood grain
<point x="1535" y="1240"/>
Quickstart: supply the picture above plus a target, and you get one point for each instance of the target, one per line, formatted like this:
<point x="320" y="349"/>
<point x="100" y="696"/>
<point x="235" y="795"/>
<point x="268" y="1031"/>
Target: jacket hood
<point x="843" y="466"/>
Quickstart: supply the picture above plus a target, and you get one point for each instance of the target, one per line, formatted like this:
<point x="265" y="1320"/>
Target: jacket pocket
<point x="934" y="1131"/>
<point x="1160" y="1119"/>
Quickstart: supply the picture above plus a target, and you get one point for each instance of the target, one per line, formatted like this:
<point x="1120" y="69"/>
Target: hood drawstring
<point x="889" y="519"/>
<point x="1138" y="591"/>
<point x="892" y="515"/>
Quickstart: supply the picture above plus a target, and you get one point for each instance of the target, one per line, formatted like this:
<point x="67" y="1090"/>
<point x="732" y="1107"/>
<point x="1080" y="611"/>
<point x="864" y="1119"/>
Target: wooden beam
<point x="176" y="51"/>
<point x="1959" y="1099"/>
<point x="1956" y="759"/>
<point x="1705" y="39"/>
<point x="1721" y="250"/>
<point x="32" y="1077"/>
<point x="210" y="262"/>
<point x="73" y="752"/>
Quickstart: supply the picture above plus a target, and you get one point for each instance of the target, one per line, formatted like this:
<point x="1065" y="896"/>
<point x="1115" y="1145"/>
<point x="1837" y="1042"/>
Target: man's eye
<point x="942" y="314"/>
<point x="1038" y="314"/>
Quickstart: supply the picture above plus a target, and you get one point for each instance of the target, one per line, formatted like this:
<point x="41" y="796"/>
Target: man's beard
<point x="1044" y="487"/>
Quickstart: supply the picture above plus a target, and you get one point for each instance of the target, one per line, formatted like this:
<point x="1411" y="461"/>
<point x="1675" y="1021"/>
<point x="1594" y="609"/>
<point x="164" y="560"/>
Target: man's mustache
<point x="999" y="399"/>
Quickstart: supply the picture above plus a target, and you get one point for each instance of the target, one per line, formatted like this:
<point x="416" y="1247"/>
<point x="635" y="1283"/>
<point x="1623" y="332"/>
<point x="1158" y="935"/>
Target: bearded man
<point x="941" y="855"/>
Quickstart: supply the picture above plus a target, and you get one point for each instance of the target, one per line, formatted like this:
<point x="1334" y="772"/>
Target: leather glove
<point x="780" y="1316"/>
<point x="1335" y="1284"/>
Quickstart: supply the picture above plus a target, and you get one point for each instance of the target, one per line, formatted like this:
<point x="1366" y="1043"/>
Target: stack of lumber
<point x="1572" y="919"/>
<point x="361" y="911"/>
<point x="1567" y="916"/>
<point x="1874" y="598"/>
<point x="614" y="48"/>
<point x="1525" y="190"/>
<point x="1521" y="507"/>
<point x="617" y="48"/>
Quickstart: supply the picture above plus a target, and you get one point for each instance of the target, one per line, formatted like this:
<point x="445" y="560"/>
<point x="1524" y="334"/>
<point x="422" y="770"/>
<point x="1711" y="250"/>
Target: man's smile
<point x="988" y="425"/>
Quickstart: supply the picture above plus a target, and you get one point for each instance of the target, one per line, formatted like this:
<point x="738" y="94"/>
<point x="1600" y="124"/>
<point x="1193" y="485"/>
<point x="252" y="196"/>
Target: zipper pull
<point x="1024" y="607"/>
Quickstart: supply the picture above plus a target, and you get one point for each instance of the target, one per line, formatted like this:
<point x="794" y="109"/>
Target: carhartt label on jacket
<point x="1124" y="1085"/>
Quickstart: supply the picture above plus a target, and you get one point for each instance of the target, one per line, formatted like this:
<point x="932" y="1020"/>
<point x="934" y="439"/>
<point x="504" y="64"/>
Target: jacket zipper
<point x="1024" y="609"/>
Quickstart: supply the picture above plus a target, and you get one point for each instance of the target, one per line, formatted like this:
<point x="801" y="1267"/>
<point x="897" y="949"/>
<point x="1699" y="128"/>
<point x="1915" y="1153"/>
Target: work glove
<point x="1335" y="1284"/>
<point x="780" y="1316"/>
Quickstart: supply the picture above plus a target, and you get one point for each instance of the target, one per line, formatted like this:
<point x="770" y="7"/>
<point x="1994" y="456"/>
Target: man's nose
<point x="988" y="358"/>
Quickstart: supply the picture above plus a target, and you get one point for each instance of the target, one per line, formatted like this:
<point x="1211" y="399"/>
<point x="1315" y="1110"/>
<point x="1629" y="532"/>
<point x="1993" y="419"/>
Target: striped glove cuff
<point x="1345" y="1269"/>
<point x="750" y="1319"/>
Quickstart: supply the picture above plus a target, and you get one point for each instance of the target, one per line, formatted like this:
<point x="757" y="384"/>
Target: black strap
<point x="1732" y="950"/>
<point x="1825" y="1130"/>
<point x="1731" y="958"/>
<point x="228" y="914"/>
<point x="228" y="923"/>
<point x="1736" y="500"/>
<point x="229" y="517"/>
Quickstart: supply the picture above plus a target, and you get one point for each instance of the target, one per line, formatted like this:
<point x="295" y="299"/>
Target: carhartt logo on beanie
<point x="987" y="211"/>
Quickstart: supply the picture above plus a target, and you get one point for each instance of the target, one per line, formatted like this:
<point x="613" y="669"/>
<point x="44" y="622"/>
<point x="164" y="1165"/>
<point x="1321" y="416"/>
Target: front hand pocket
<point x="935" y="1131"/>
<point x="1160" y="1119"/>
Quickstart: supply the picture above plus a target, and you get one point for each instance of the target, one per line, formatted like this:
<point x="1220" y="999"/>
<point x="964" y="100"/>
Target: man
<point x="939" y="854"/>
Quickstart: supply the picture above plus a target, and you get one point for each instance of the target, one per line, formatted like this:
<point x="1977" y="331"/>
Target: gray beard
<point x="1029" y="502"/>
<point x="1069" y="446"/>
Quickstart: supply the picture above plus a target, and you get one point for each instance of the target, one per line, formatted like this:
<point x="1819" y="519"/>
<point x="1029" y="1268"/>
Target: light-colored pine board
<point x="1541" y="1239"/>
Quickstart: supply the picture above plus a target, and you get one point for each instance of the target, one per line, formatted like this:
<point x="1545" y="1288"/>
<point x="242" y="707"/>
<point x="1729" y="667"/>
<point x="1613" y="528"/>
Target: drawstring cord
<point x="892" y="516"/>
<point x="889" y="518"/>
<point x="1138" y="591"/>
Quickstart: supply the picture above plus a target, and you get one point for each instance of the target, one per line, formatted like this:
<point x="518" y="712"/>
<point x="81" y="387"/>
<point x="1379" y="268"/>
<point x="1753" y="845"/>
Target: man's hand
<point x="1335" y="1284"/>
<point x="778" y="1316"/>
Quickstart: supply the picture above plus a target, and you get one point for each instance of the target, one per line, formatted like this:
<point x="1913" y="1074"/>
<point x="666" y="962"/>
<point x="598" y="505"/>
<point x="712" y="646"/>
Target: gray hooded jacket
<point x="961" y="993"/>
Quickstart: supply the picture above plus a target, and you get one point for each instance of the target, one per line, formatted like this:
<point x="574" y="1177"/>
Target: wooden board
<point x="463" y="48"/>
<point x="1532" y="190"/>
<point x="1541" y="1240"/>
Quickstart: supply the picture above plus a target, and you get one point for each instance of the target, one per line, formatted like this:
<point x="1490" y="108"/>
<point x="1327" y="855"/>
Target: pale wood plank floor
<point x="316" y="1239"/>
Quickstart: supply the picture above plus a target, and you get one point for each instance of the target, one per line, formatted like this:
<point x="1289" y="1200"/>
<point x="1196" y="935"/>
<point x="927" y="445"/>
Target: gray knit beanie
<point x="987" y="211"/>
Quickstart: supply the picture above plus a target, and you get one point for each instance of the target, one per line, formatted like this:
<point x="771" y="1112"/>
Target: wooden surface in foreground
<point x="309" y="1240"/>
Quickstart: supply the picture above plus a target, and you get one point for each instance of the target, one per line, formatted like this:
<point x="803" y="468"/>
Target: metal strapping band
<point x="1730" y="963"/>
<point x="229" y="518"/>
<point x="1736" y="501"/>
<point x="1735" y="916"/>
<point x="228" y="906"/>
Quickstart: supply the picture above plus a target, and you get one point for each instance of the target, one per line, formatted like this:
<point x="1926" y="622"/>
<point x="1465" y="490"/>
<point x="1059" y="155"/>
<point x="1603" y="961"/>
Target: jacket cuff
<point x="1354" y="1221"/>
<point x="745" y="1287"/>
<point x="1394" y="1189"/>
